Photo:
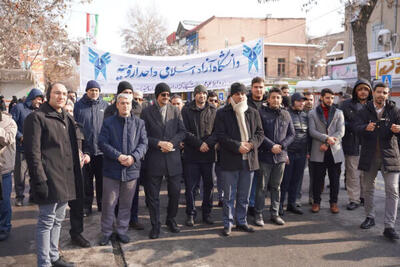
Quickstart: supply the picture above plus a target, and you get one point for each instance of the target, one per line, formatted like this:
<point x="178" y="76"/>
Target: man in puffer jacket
<point x="89" y="112"/>
<point x="123" y="140"/>
<point x="297" y="154"/>
<point x="8" y="131"/>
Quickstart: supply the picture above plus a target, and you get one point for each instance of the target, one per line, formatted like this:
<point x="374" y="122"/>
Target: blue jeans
<point x="48" y="232"/>
<point x="220" y="183"/>
<point x="293" y="177"/>
<point x="252" y="199"/>
<point x="5" y="204"/>
<point x="236" y="186"/>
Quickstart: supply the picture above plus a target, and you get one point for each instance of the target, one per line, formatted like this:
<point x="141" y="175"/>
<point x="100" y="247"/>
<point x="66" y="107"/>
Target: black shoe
<point x="172" y="226"/>
<point x="136" y="225"/>
<point x="245" y="228"/>
<point x="294" y="209"/>
<point x="226" y="231"/>
<point x="123" y="238"/>
<point x="154" y="232"/>
<point x="31" y="200"/>
<point x="352" y="206"/>
<point x="3" y="236"/>
<point x="220" y="204"/>
<point x="362" y="201"/>
<point x="251" y="211"/>
<point x="281" y="212"/>
<point x="391" y="234"/>
<point x="104" y="240"/>
<point x="79" y="240"/>
<point x="19" y="202"/>
<point x="62" y="263"/>
<point x="207" y="220"/>
<point x="368" y="223"/>
<point x="189" y="220"/>
<point x="87" y="212"/>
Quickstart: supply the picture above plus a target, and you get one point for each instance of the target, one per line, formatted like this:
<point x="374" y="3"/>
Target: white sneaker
<point x="259" y="220"/>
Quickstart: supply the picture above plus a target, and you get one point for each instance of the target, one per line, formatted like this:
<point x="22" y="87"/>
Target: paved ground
<point x="320" y="239"/>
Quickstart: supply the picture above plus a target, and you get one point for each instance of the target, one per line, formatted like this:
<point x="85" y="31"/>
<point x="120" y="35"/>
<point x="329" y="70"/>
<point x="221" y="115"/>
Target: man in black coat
<point x="362" y="93"/>
<point x="255" y="99"/>
<point x="199" y="156"/>
<point x="378" y="125"/>
<point x="165" y="131"/>
<point x="51" y="149"/>
<point x="239" y="132"/>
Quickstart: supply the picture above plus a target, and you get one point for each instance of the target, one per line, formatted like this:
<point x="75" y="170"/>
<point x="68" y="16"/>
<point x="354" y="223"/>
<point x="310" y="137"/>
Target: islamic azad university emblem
<point x="252" y="54"/>
<point x="99" y="62"/>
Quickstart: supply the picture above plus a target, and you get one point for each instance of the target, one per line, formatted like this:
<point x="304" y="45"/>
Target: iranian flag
<point x="92" y="22"/>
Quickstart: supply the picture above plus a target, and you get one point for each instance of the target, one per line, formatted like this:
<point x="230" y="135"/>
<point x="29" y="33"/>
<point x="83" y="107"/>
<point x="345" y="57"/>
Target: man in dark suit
<point x="165" y="131"/>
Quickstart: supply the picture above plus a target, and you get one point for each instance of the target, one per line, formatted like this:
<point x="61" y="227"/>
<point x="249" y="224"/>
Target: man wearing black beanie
<point x="198" y="118"/>
<point x="124" y="87"/>
<point x="89" y="112"/>
<point x="165" y="131"/>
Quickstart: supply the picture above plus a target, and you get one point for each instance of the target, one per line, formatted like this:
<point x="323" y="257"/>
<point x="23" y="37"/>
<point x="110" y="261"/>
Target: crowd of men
<point x="73" y="151"/>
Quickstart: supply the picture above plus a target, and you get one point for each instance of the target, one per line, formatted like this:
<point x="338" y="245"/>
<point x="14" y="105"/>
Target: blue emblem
<point x="100" y="63"/>
<point x="252" y="54"/>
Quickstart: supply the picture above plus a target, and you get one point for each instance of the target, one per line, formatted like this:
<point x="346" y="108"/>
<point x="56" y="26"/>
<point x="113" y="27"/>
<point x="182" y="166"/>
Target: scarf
<point x="239" y="110"/>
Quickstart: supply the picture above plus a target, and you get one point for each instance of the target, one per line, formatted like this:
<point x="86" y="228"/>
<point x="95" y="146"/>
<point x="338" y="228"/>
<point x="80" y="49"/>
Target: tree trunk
<point x="361" y="51"/>
<point x="360" y="42"/>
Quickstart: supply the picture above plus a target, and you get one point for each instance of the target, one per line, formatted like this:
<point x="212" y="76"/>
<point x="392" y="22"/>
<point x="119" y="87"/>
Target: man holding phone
<point x="379" y="126"/>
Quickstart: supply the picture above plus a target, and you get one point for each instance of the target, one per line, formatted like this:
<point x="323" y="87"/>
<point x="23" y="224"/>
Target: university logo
<point x="252" y="54"/>
<point x="100" y="63"/>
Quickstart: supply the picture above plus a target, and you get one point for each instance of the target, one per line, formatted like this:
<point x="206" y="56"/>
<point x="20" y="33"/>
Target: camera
<point x="383" y="122"/>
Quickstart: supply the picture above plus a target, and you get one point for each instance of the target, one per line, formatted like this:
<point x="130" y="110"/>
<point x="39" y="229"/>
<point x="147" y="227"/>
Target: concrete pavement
<point x="322" y="239"/>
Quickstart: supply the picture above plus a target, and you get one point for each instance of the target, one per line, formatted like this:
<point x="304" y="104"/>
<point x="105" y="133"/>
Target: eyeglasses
<point x="137" y="99"/>
<point x="164" y="94"/>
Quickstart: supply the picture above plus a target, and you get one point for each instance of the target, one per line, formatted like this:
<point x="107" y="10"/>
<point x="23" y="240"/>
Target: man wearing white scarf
<point x="239" y="132"/>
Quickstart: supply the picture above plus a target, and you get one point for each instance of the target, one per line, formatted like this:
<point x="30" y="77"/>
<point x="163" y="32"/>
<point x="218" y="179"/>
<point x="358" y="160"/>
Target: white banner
<point x="215" y="70"/>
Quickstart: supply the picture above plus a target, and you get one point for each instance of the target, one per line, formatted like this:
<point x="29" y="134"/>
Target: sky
<point x="324" y="17"/>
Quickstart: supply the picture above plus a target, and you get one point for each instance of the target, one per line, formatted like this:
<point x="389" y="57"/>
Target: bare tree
<point x="32" y="28"/>
<point x="359" y="13"/>
<point x="146" y="34"/>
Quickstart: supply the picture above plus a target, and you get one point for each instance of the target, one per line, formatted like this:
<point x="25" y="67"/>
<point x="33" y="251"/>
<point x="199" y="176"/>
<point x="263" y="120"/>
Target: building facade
<point x="287" y="54"/>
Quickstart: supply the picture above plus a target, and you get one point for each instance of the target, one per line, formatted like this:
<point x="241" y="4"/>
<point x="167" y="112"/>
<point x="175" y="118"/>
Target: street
<point x="322" y="239"/>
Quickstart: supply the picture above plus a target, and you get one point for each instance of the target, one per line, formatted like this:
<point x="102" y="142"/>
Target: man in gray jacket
<point x="326" y="128"/>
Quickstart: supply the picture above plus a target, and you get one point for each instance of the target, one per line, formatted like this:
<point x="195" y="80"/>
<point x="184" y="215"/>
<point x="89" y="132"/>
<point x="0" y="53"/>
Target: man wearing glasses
<point x="213" y="99"/>
<point x="165" y="131"/>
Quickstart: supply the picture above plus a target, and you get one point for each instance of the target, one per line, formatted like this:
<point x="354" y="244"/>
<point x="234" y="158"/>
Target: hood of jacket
<point x="31" y="96"/>
<point x="361" y="81"/>
<point x="88" y="101"/>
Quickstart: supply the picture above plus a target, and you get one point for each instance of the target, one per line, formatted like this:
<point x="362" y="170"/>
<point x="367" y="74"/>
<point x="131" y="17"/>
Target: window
<point x="375" y="31"/>
<point x="281" y="67"/>
<point x="265" y="66"/>
<point x="300" y="68"/>
<point x="312" y="68"/>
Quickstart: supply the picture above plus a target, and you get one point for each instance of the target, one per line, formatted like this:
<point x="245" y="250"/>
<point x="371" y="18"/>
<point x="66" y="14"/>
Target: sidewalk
<point x="322" y="239"/>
